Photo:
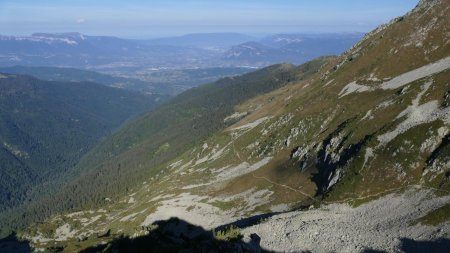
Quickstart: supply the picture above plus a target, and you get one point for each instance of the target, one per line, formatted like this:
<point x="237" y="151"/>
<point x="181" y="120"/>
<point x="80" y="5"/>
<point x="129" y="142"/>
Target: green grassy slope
<point x="186" y="121"/>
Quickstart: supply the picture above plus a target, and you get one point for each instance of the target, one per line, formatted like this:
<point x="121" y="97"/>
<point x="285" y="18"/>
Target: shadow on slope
<point x="412" y="246"/>
<point x="175" y="235"/>
<point x="407" y="245"/>
<point x="249" y="221"/>
<point x="11" y="244"/>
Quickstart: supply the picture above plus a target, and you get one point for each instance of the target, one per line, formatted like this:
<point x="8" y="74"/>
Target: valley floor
<point x="387" y="224"/>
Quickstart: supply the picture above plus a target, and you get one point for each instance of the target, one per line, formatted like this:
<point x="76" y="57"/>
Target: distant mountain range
<point x="164" y="66"/>
<point x="188" y="51"/>
<point x="91" y="52"/>
<point x="294" y="48"/>
<point x="204" y="40"/>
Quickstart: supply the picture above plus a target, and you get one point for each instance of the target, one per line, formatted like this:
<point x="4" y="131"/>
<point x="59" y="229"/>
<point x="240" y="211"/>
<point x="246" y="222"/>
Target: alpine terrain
<point x="340" y="154"/>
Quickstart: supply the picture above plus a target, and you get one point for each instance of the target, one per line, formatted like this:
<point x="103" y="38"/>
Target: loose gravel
<point x="377" y="225"/>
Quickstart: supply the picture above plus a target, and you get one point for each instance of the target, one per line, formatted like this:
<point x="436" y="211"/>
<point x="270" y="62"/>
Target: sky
<point x="157" y="18"/>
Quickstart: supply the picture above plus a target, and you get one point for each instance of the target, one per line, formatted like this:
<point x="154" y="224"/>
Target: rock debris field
<point x="378" y="225"/>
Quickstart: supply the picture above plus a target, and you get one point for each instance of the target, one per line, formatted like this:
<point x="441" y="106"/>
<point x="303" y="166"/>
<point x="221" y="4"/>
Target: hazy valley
<point x="227" y="142"/>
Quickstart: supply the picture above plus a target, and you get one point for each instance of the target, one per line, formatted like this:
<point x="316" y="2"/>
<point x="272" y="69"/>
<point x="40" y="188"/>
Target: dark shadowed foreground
<point x="175" y="235"/>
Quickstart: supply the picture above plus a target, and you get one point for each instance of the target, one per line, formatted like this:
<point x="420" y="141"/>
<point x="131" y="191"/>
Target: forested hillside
<point x="80" y="75"/>
<point x="138" y="150"/>
<point x="46" y="127"/>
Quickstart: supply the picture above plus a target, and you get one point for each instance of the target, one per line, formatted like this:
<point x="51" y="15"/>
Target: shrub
<point x="231" y="233"/>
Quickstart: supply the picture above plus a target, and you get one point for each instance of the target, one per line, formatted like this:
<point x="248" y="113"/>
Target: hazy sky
<point x="151" y="18"/>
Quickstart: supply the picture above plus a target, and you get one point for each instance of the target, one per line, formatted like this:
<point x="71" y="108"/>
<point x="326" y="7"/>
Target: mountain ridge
<point x="109" y="53"/>
<point x="371" y="124"/>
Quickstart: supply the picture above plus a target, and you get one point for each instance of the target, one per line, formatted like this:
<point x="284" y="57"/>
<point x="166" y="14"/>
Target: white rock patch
<point x="235" y="115"/>
<point x="329" y="82"/>
<point x="241" y="169"/>
<point x="352" y="88"/>
<point x="64" y="232"/>
<point x="417" y="74"/>
<point x="369" y="153"/>
<point x="131" y="216"/>
<point x="279" y="208"/>
<point x="40" y="238"/>
<point x="190" y="208"/>
<point x="213" y="155"/>
<point x="402" y="79"/>
<point x="227" y="173"/>
<point x="368" y="115"/>
<point x="87" y="222"/>
<point x="175" y="164"/>
<point x="431" y="143"/>
<point x="251" y="125"/>
<point x="415" y="115"/>
<point x="249" y="200"/>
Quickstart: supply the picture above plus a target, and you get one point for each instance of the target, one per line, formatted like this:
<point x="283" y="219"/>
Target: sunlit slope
<point x="139" y="150"/>
<point x="373" y="121"/>
<point x="141" y="147"/>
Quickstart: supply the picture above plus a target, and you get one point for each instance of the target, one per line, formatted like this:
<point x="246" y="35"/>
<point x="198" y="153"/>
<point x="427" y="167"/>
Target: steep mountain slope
<point x="46" y="127"/>
<point x="372" y="122"/>
<point x="138" y="150"/>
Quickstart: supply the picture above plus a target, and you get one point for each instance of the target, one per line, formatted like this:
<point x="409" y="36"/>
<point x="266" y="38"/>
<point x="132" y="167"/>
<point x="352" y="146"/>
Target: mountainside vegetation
<point x="79" y="75"/>
<point x="46" y="127"/>
<point x="123" y="160"/>
<point x="338" y="130"/>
